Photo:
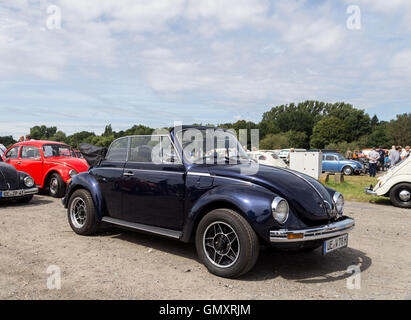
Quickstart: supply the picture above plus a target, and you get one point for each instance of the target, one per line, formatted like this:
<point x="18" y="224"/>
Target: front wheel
<point x="347" y="171"/>
<point x="226" y="243"/>
<point x="81" y="213"/>
<point x="57" y="187"/>
<point x="400" y="195"/>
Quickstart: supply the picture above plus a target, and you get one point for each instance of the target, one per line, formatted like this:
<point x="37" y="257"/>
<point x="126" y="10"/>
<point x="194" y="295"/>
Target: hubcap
<point x="53" y="185"/>
<point x="404" y="195"/>
<point x="221" y="244"/>
<point x="347" y="171"/>
<point x="78" y="212"/>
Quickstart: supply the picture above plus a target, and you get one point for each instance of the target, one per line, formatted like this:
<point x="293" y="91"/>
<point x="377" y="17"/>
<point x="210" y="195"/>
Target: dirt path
<point x="119" y="264"/>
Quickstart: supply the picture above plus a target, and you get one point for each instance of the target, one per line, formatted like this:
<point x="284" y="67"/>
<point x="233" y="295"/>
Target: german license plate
<point x="335" y="243"/>
<point x="13" y="193"/>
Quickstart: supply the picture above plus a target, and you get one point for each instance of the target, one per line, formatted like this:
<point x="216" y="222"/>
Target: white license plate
<point x="335" y="243"/>
<point x="13" y="193"/>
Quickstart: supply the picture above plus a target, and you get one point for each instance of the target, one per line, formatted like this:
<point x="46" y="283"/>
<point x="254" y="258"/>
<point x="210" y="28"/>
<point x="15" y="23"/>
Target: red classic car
<point x="51" y="164"/>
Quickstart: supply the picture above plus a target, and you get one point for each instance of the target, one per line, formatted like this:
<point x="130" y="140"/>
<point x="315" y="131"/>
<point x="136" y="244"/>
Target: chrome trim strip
<point x="202" y="174"/>
<point x="155" y="171"/>
<point x="327" y="231"/>
<point x="142" y="227"/>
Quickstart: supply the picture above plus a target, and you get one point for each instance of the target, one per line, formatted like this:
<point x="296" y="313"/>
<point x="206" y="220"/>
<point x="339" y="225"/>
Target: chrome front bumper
<point x="327" y="231"/>
<point x="370" y="192"/>
<point x="22" y="193"/>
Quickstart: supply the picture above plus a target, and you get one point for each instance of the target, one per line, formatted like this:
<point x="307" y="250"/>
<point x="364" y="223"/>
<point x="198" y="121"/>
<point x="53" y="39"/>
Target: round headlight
<point x="28" y="182"/>
<point x="72" y="173"/>
<point x="280" y="209"/>
<point x="339" y="202"/>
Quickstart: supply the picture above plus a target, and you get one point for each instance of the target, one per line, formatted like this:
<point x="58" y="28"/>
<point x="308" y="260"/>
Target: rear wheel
<point x="400" y="195"/>
<point x="81" y="213"/>
<point x="57" y="187"/>
<point x="226" y="243"/>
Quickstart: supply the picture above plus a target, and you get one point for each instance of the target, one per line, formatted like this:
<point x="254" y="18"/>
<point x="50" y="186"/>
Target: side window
<point x="330" y="158"/>
<point x="29" y="152"/>
<point x="12" y="153"/>
<point x="118" y="150"/>
<point x="153" y="149"/>
<point x="169" y="153"/>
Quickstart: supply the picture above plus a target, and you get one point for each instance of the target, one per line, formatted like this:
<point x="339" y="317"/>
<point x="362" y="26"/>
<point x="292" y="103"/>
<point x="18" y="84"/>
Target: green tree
<point x="7" y="141"/>
<point x="274" y="141"/>
<point x="400" y="129"/>
<point x="42" y="132"/>
<point x="329" y="130"/>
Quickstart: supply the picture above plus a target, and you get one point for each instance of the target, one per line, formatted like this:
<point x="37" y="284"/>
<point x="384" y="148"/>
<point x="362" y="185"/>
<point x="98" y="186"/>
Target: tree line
<point x="309" y="124"/>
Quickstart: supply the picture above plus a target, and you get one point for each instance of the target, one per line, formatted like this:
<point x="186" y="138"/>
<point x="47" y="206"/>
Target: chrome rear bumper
<point x="327" y="231"/>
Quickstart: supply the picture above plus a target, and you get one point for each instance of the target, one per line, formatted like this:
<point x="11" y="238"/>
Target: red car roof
<point x="38" y="143"/>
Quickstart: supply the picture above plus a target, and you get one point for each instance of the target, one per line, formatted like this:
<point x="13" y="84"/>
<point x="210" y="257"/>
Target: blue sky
<point x="153" y="62"/>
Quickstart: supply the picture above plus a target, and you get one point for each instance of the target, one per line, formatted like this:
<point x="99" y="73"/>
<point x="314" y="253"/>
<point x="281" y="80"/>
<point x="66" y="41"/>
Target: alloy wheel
<point x="221" y="244"/>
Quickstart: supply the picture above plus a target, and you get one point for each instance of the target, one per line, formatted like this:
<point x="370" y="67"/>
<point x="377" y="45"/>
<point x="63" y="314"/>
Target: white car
<point x="396" y="184"/>
<point x="284" y="153"/>
<point x="267" y="158"/>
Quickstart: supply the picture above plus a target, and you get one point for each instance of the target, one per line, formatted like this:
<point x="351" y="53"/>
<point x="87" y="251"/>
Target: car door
<point x="329" y="163"/>
<point x="109" y="175"/>
<point x="12" y="155"/>
<point x="154" y="183"/>
<point x="30" y="162"/>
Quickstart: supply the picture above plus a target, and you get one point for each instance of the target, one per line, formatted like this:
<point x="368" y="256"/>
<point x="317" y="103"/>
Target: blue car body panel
<point x="332" y="162"/>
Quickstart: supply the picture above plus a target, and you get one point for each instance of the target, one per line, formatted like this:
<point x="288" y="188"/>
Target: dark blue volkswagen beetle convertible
<point x="197" y="184"/>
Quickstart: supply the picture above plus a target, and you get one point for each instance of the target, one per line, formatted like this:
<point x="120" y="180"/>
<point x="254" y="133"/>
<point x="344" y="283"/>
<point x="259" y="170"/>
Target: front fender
<point x="391" y="182"/>
<point x="253" y="202"/>
<point x="63" y="171"/>
<point x="86" y="181"/>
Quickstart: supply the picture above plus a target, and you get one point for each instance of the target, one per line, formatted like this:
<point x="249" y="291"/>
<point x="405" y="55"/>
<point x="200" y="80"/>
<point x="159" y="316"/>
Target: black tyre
<point x="25" y="199"/>
<point x="400" y="195"/>
<point x="81" y="213"/>
<point x="226" y="243"/>
<point x="347" y="170"/>
<point x="57" y="187"/>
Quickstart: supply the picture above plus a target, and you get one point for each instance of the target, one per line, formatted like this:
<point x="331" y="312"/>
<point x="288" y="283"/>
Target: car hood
<point x="353" y="162"/>
<point x="9" y="178"/>
<point x="80" y="165"/>
<point x="305" y="195"/>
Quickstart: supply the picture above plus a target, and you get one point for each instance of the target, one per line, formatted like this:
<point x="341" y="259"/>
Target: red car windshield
<point x="57" y="150"/>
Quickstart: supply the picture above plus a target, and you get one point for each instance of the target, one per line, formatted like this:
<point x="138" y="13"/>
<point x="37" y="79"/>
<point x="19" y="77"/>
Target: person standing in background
<point x="373" y="157"/>
<point x="381" y="152"/>
<point x="386" y="161"/>
<point x="348" y="154"/>
<point x="405" y="152"/>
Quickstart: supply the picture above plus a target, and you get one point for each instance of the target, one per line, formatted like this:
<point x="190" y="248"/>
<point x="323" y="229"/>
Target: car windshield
<point x="211" y="145"/>
<point x="341" y="157"/>
<point x="57" y="150"/>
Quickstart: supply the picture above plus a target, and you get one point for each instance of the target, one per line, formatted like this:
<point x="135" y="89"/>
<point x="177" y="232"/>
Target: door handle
<point x="128" y="174"/>
<point x="19" y="162"/>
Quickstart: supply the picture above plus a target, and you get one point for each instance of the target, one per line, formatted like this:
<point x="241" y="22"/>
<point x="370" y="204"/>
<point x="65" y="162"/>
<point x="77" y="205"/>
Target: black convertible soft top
<point x="92" y="154"/>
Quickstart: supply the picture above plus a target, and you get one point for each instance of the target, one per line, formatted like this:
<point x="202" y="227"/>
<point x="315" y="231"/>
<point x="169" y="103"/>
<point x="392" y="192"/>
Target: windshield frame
<point x="240" y="157"/>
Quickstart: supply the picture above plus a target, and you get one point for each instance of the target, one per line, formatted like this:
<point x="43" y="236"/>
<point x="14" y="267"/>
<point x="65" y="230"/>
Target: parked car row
<point x="50" y="164"/>
<point x="217" y="198"/>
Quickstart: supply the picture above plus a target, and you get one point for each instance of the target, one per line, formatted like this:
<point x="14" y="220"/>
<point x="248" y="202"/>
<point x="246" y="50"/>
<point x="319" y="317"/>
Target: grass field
<point x="353" y="189"/>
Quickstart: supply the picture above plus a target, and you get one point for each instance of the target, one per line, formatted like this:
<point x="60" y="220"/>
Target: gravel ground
<point x="118" y="264"/>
